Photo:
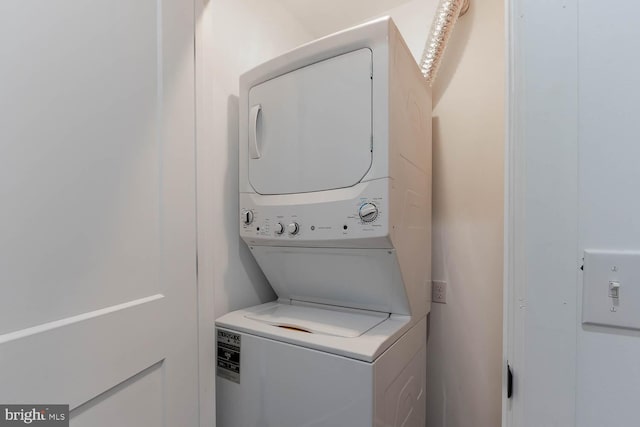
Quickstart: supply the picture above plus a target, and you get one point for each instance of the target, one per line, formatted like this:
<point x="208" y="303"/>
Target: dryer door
<point x="310" y="129"/>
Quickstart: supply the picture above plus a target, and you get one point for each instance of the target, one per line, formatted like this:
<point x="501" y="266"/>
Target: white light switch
<point x="611" y="293"/>
<point x="614" y="289"/>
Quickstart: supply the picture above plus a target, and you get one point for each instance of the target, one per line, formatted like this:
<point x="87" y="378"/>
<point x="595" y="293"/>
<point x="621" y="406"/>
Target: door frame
<point x="513" y="323"/>
<point x="541" y="257"/>
<point x="205" y="238"/>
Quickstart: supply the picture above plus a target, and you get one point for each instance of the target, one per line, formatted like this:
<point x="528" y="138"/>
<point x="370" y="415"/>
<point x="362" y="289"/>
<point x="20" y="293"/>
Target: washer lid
<point x="366" y="347"/>
<point x="313" y="320"/>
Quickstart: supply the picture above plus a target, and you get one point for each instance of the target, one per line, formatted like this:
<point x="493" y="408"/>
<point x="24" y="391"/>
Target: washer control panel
<point x="285" y="220"/>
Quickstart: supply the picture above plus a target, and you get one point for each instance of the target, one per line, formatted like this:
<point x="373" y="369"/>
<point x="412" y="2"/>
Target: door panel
<point x="97" y="182"/>
<point x="311" y="120"/>
<point x="79" y="156"/>
<point x="132" y="403"/>
<point x="91" y="363"/>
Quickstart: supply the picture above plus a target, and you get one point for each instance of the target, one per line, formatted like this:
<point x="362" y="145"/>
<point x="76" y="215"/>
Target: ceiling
<point x="322" y="17"/>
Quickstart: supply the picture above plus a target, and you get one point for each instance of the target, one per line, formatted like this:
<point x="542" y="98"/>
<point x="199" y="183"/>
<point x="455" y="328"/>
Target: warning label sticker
<point x="228" y="355"/>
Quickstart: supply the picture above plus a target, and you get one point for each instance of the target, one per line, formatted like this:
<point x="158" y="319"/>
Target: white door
<point x="97" y="210"/>
<point x="313" y="126"/>
<point x="573" y="214"/>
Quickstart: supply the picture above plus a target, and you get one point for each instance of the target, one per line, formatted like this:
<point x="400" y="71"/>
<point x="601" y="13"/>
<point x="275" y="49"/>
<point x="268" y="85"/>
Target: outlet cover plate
<point x="439" y="291"/>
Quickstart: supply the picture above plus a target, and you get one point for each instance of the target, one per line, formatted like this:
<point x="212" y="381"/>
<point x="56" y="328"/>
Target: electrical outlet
<point x="439" y="291"/>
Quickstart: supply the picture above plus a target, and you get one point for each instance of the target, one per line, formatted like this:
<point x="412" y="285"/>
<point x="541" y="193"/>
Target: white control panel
<point x="350" y="217"/>
<point x="611" y="293"/>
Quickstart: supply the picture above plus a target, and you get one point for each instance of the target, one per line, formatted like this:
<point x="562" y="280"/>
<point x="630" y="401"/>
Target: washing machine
<point x="335" y="206"/>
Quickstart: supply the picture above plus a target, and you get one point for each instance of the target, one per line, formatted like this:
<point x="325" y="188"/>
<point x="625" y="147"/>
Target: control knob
<point x="279" y="228"/>
<point x="247" y="217"/>
<point x="368" y="212"/>
<point x="293" y="228"/>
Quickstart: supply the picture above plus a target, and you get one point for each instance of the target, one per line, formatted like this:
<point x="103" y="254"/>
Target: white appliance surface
<point x="366" y="346"/>
<point x="310" y="121"/>
<point x="335" y="206"/>
<point x="284" y="385"/>
<point x="365" y="245"/>
<point x="347" y="324"/>
<point x="368" y="279"/>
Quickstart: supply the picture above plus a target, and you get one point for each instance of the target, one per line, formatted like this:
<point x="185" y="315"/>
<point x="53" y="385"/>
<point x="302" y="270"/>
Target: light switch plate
<point x="604" y="272"/>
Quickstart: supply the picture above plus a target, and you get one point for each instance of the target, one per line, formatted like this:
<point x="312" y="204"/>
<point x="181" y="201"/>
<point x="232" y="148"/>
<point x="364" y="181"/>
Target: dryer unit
<point x="335" y="205"/>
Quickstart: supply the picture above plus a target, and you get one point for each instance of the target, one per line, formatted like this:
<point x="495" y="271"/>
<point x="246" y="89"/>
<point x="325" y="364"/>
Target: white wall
<point x="236" y="35"/>
<point x="576" y="170"/>
<point x="329" y="16"/>
<point x="246" y="33"/>
<point x="464" y="360"/>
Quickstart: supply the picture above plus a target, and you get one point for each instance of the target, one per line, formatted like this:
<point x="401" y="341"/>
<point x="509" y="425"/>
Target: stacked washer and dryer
<point x="335" y="206"/>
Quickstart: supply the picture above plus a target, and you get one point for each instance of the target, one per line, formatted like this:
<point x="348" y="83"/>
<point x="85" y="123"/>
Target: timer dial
<point x="368" y="212"/>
